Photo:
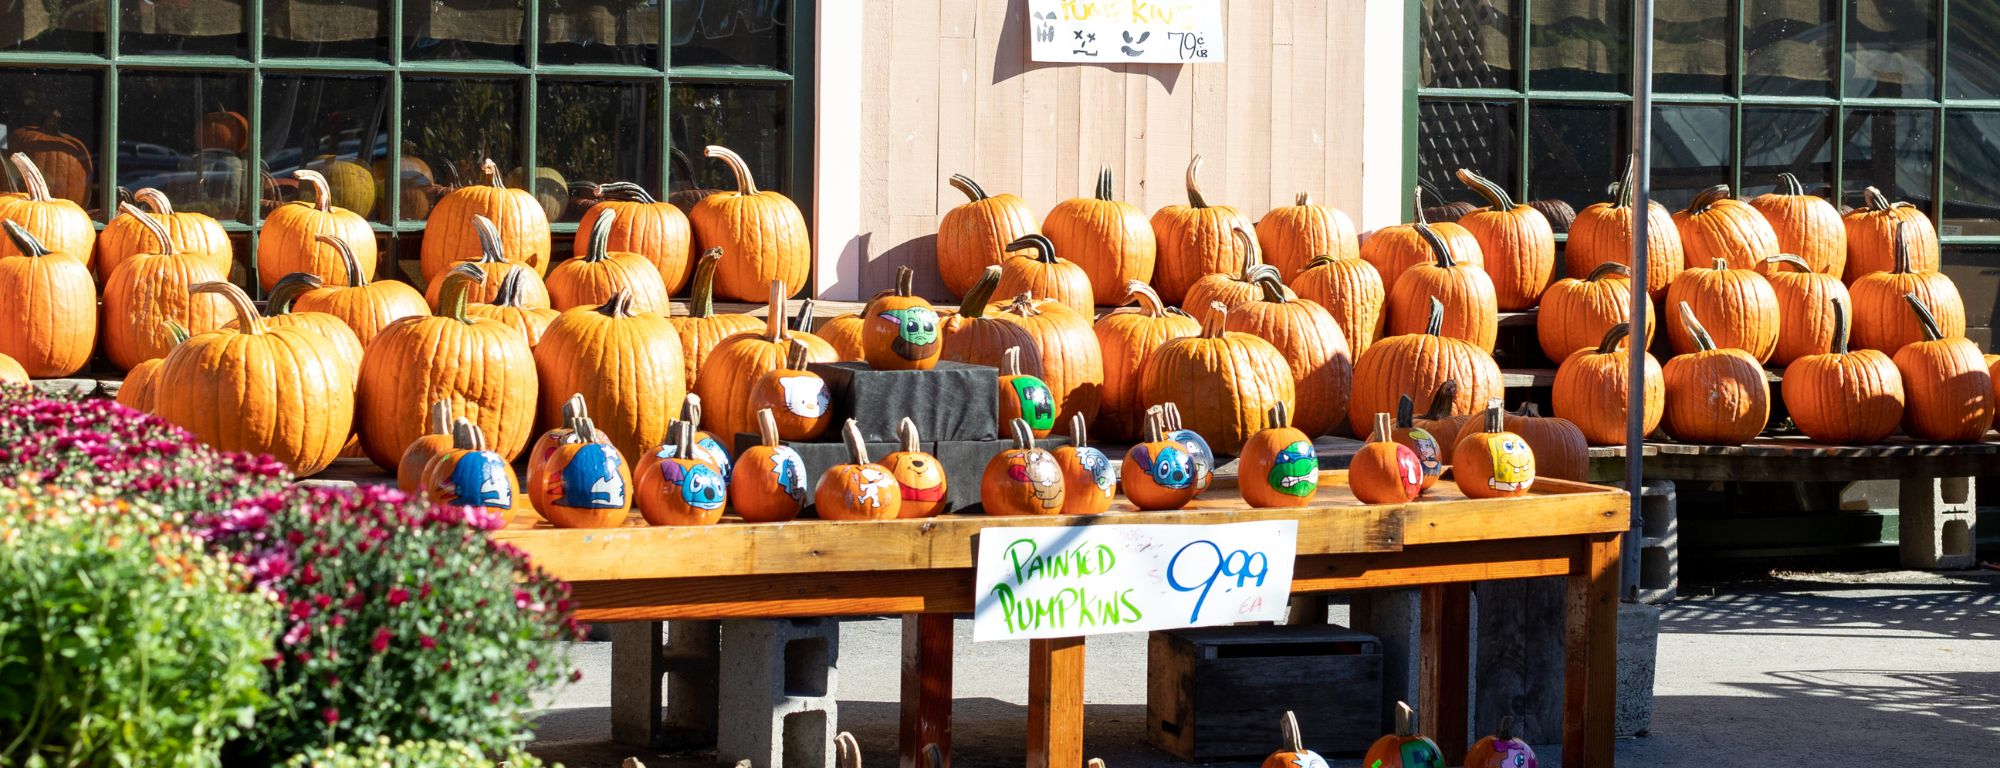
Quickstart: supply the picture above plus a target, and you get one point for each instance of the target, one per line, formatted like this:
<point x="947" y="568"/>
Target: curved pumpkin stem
<point x="701" y="290"/>
<point x="1288" y="733"/>
<point x="795" y="354"/>
<point x="1924" y="317"/>
<point x="1496" y="198"/>
<point x="981" y="293"/>
<point x="1434" y="325"/>
<point x="31" y="177"/>
<point x="1274" y="290"/>
<point x="1215" y="324"/>
<point x="451" y="295"/>
<point x="745" y="185"/>
<point x="1143" y="295"/>
<point x="1104" y="183"/>
<point x="176" y="333"/>
<point x="906" y="283"/>
<point x="492" y="171"/>
<point x="1406" y="720"/>
<point x="1385" y="426"/>
<point x="1789" y="260"/>
<point x="1627" y="183"/>
<point x="1607" y="268"/>
<point x="857" y="449"/>
<point x="599" y="247"/>
<point x="1010" y="362"/>
<point x="1902" y="248"/>
<point x="1406" y="412"/>
<point x="348" y="262"/>
<point x="1417" y="205"/>
<point x="1318" y="261"/>
<point x="510" y="293"/>
<point x="322" y="199"/>
<point x="490" y="248"/>
<point x="288" y="289"/>
<point x="1707" y="199"/>
<point x="439" y="422"/>
<point x="156" y="200"/>
<point x="1045" y="251"/>
<point x="1079" y="430"/>
<point x="1280" y="414"/>
<point x="1506" y="732"/>
<point x="153" y="225"/>
<point x="906" y="431"/>
<point x="1024" y="437"/>
<point x="802" y="320"/>
<point x="625" y="191"/>
<point x="1443" y="400"/>
<point x="466" y="436"/>
<point x="1875" y="201"/>
<point x="1617" y="333"/>
<point x="1252" y="258"/>
<point x="1302" y="199"/>
<point x="774" y="313"/>
<point x="1720" y="265"/>
<point x="247" y="319"/>
<point x="25" y="241"/>
<point x="1788" y="184"/>
<point x="767" y="427"/>
<point x="1702" y="340"/>
<point x="1440" y="249"/>
<point x="1840" y="326"/>
<point x="1195" y="199"/>
<point x="973" y="192"/>
<point x="619" y="305"/>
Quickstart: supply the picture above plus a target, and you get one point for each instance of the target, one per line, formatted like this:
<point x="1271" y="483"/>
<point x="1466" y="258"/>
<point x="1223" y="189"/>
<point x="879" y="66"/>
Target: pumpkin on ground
<point x="1558" y="444"/>
<point x="1465" y="293"/>
<point x="1807" y="226"/>
<point x="919" y="474"/>
<point x="1591" y="387"/>
<point x="1232" y="288"/>
<point x="1844" y="396"/>
<point x="470" y="475"/>
<point x="584" y="483"/>
<point x="257" y="389"/>
<point x="1805" y="314"/>
<point x="796" y="396"/>
<point x="1715" y="395"/>
<point x="1417" y="365"/>
<point x="1312" y="343"/>
<point x="590" y="279"/>
<point x="1278" y="466"/>
<point x="682" y="488"/>
<point x="1111" y="239"/>
<point x="702" y="329"/>
<point x="1197" y="240"/>
<point x="1126" y="337"/>
<point x="289" y="241"/>
<point x="1882" y="319"/>
<point x="1065" y="352"/>
<point x="1158" y="472"/>
<point x="1516" y="241"/>
<point x="1405" y="748"/>
<point x="859" y="489"/>
<point x="1293" y="752"/>
<point x="1398" y="247"/>
<point x="365" y="306"/>
<point x="1425" y="446"/>
<point x="1716" y="225"/>
<point x="899" y="331"/>
<point x="60" y="225"/>
<point x="1385" y="471"/>
<point x="519" y="223"/>
<point x="1501" y="750"/>
<point x="510" y="307"/>
<point x="485" y="369"/>
<point x="1045" y="275"/>
<point x="768" y="483"/>
<point x="1351" y="290"/>
<point x="1575" y="313"/>
<point x="198" y="235"/>
<point x="974" y="235"/>
<point x="280" y="311"/>
<point x="1603" y="232"/>
<point x="1230" y="381"/>
<point x="150" y="289"/>
<point x="626" y="365"/>
<point x="494" y="266"/>
<point x="11" y="372"/>
<point x="1293" y="236"/>
<point x="48" y="308"/>
<point x="1948" y="393"/>
<point x="762" y="234"/>
<point x="1089" y="481"/>
<point x="656" y="231"/>
<point x="1872" y="234"/>
<point x="732" y="369"/>
<point x="1735" y="304"/>
<point x="434" y="442"/>
<point x="144" y="379"/>
<point x="1023" y="479"/>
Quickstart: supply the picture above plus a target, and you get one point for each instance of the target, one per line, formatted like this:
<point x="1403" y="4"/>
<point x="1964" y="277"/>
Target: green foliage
<point x="428" y="754"/>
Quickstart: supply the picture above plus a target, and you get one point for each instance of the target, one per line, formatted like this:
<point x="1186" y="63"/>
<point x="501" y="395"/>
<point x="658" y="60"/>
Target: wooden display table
<point x="924" y="570"/>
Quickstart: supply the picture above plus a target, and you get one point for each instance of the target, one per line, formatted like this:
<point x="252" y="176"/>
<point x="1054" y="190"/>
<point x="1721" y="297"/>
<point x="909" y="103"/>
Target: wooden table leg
<point x="1055" y="703"/>
<point x="1590" y="655"/>
<point x="1444" y="665"/>
<point x="926" y="701"/>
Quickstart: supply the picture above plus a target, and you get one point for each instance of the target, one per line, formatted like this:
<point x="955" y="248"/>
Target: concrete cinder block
<point x="1934" y="520"/>
<point x="1659" y="564"/>
<point x="777" y="709"/>
<point x="687" y="655"/>
<point x="1638" y="654"/>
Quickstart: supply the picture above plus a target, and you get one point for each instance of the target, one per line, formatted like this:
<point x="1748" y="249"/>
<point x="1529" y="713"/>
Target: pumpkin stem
<point x="1840" y="326"/>
<point x="972" y="190"/>
<point x="1720" y="265"/>
<point x="1443" y="400"/>
<point x="1434" y="325"/>
<point x="1172" y="413"/>
<point x="458" y="282"/>
<point x="1148" y="300"/>
<point x="153" y="225"/>
<point x="1010" y="362"/>
<point x="684" y="440"/>
<point x="1079" y="430"/>
<point x="1902" y="246"/>
<point x="1789" y="260"/>
<point x="31" y="177"/>
<point x="155" y="200"/>
<point x="490" y="248"/>
<point x="745" y="185"/>
<point x="1788" y="184"/>
<point x="355" y="277"/>
<point x="1252" y="258"/>
<point x="1406" y="412"/>
<point x="25" y="241"/>
<point x="774" y="313"/>
<point x="907" y="431"/>
<point x="1607" y="268"/>
<point x="1154" y="428"/>
<point x="1529" y="410"/>
<point x="440" y="419"/>
<point x="626" y="191"/>
<point x="1280" y="414"/>
<point x="247" y="319"/>
<point x="1875" y="200"/>
<point x="509" y="294"/>
<point x="802" y="320"/>
<point x="1194" y="187"/>
<point x="1273" y="290"/>
<point x="691" y="410"/>
<point x="599" y="247"/>
<point x="1319" y="261"/>
<point x="492" y="171"/>
<point x="1497" y="199"/>
<point x="1104" y="182"/>
<point x="573" y="407"/>
<point x="1406" y="721"/>
<point x="1302" y="199"/>
<point x="1707" y="199"/>
<point x="1496" y="415"/>
<point x="1218" y="318"/>
<point x="465" y="436"/>
<point x="847" y="751"/>
<point x="1045" y="251"/>
<point x="701" y="290"/>
<point x="1627" y="183"/>
<point x="981" y="293"/>
<point x="176" y="333"/>
<point x="288" y="289"/>
<point x="1288" y="733"/>
<point x="857" y="450"/>
<point x="1439" y="248"/>
<point x="1417" y="204"/>
<point x="906" y="282"/>
<point x="1702" y="340"/>
<point x="1924" y="317"/>
<point x="767" y="427"/>
<point x="322" y="192"/>
<point x="1615" y="334"/>
<point x="1385" y="426"/>
<point x="1024" y="437"/>
<point x="795" y="354"/>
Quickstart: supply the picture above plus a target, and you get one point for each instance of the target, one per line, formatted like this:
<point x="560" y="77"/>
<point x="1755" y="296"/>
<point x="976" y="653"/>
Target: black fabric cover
<point x="953" y="401"/>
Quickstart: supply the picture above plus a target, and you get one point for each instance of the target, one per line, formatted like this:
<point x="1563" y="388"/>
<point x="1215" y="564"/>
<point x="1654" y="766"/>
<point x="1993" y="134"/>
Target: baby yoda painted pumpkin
<point x="858" y="490"/>
<point x="1278" y="467"/>
<point x="918" y="473"/>
<point x="1022" y="480"/>
<point x="1493" y="462"/>
<point x="683" y="488"/>
<point x="901" y="331"/>
<point x="768" y="484"/>
<point x="1089" y="480"/>
<point x="1025" y="397"/>
<point x="796" y="396"/>
<point x="584" y="483"/>
<point x="1159" y="473"/>
<point x="468" y="475"/>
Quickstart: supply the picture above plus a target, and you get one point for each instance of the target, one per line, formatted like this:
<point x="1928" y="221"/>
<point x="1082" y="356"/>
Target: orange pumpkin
<point x="919" y="475"/>
<point x="545" y="446"/>
<point x="768" y="483"/>
<point x="280" y="311"/>
<point x="1229" y="380"/>
<point x="1045" y="275"/>
<point x="1844" y="397"/>
<point x="1949" y="393"/>
<point x="1445" y="419"/>
<point x="1603" y="232"/>
<point x="1576" y="313"/>
<point x="414" y="186"/>
<point x="1736" y="305"/>
<point x="1398" y="247"/>
<point x="733" y="368"/>
<point x="494" y="265"/>
<point x="1293" y="753"/>
<point x="143" y="380"/>
<point x="520" y="225"/>
<point x="762" y="232"/>
<point x="1872" y="232"/>
<point x="1591" y="386"/>
<point x="1292" y="236"/>
<point x="197" y="234"/>
<point x="289" y="241"/>
<point x="1197" y="240"/>
<point x="978" y="335"/>
<point x="1312" y="343"/>
<point x="900" y="332"/>
<point x="1279" y="466"/>
<point x="435" y="442"/>
<point x="510" y="307"/>
<point x="1023" y="479"/>
<point x="702" y="330"/>
<point x="797" y="397"/>
<point x="857" y="490"/>
<point x="1493" y="462"/>
<point x="58" y="224"/>
<point x="707" y="445"/>
<point x="1805" y="315"/>
<point x="1066" y="351"/>
<point x="64" y="159"/>
<point x="1502" y="750"/>
<point x="1351" y="290"/>
<point x="1228" y="289"/>
<point x="973" y="235"/>
<point x="225" y="130"/>
<point x="1089" y="481"/>
<point x="1405" y="748"/>
<point x="1882" y="319"/>
<point x="590" y="279"/>
<point x="683" y="488"/>
<point x="365" y="306"/>
<point x="1716" y="225"/>
<point x="1110" y="239"/>
<point x="843" y="332"/>
<point x="11" y="372"/>
<point x="1714" y="395"/>
<point x="1559" y="446"/>
<point x="1127" y="336"/>
<point x="1806" y="225"/>
<point x="1385" y="471"/>
<point x="48" y="308"/>
<point x="1465" y="292"/>
<point x="1158" y="472"/>
<point x="1418" y="364"/>
<point x="150" y="289"/>
<point x="1516" y="241"/>
<point x="1025" y="397"/>
<point x="626" y="365"/>
<point x="1431" y="456"/>
<point x="584" y="483"/>
<point x="469" y="475"/>
<point x="1198" y="447"/>
<point x="656" y="231"/>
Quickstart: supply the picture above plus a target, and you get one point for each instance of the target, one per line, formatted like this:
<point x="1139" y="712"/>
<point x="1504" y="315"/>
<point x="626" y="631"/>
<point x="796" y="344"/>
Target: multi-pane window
<point x="219" y="102"/>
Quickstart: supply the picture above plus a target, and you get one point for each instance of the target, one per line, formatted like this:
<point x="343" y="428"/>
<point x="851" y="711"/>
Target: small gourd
<point x="1025" y="397"/>
<point x="1160" y="471"/>
<point x="769" y="481"/>
<point x="1405" y="748"/>
<point x="585" y="482"/>
<point x="900" y="328"/>
<point x="1278" y="466"/>
<point x="434" y="442"/>
<point x="1385" y="471"/>
<point x="469" y="475"/>
<point x="859" y="489"/>
<point x="1293" y="752"/>
<point x="1022" y="480"/>
<point x="682" y="488"/>
<point x="1502" y="750"/>
<point x="796" y="396"/>
<point x="1089" y="480"/>
<point x="1493" y="462"/>
<point x="919" y="474"/>
<point x="1430" y="455"/>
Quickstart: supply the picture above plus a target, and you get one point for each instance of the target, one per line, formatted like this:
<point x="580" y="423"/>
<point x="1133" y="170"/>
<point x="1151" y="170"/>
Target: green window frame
<point x="524" y="72"/>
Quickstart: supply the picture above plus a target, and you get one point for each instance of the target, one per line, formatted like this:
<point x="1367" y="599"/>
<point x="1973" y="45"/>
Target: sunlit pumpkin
<point x="1417" y="365"/>
<point x="1493" y="462"/>
<point x="1575" y="313"/>
<point x="1872" y="233"/>
<point x="1278" y="466"/>
<point x="197" y="234"/>
<point x="1159" y="472"/>
<point x="48" y="308"/>
<point x="768" y="484"/>
<point x="289" y="240"/>
<point x="1882" y="320"/>
<point x="59" y="224"/>
<point x="1023" y="479"/>
<point x="1735" y="304"/>
<point x="1715" y="395"/>
<point x="974" y="234"/>
<point x="365" y="306"/>
<point x="1397" y="247"/>
<point x="1445" y="418"/>
<point x="1465" y="293"/>
<point x="1603" y="232"/>
<point x="656" y="231"/>
<point x="682" y="488"/>
<point x="1591" y="388"/>
<point x="1351" y="290"/>
<point x="859" y="489"/>
<point x="1947" y="389"/>
<point x="977" y="334"/>
<point x="1385" y="471"/>
<point x="702" y="329"/>
<point x="1805" y="308"/>
<point x="1228" y="288"/>
<point x="1311" y="343"/>
<point x="545" y="446"/>
<point x="469" y="475"/>
<point x="280" y="310"/>
<point x="762" y="235"/>
<point x="1044" y="274"/>
<point x="1807" y="226"/>
<point x="1090" y="482"/>
<point x="918" y="473"/>
<point x="1064" y="347"/>
<point x="1292" y="236"/>
<point x="1025" y="396"/>
<point x="519" y="221"/>
<point x="1229" y="381"/>
<point x="1560" y="449"/>
<point x="1111" y="239"/>
<point x="797" y="397"/>
<point x="1197" y="240"/>
<point x="143" y="380"/>
<point x="494" y="264"/>
<point x="1292" y="753"/>
<point x="899" y="329"/>
<point x="510" y="308"/>
<point x="1844" y="396"/>
<point x="434" y="442"/>
<point x="735" y="365"/>
<point x="150" y="289"/>
<point x="1127" y="336"/>
<point x="1716" y="225"/>
<point x="1515" y="240"/>
<point x="626" y="365"/>
<point x="843" y="332"/>
<point x="584" y="483"/>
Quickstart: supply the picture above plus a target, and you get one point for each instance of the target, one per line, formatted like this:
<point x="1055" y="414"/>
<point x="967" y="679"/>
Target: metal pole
<point x="1642" y="155"/>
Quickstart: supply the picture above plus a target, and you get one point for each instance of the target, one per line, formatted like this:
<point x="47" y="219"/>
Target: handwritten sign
<point x="1125" y="31"/>
<point x="1103" y="579"/>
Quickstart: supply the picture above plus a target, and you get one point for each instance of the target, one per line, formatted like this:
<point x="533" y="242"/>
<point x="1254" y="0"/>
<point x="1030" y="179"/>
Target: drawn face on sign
<point x="1038" y="404"/>
<point x="1427" y="452"/>
<point x="591" y="479"/>
<point x="1418" y="754"/>
<point x="479" y="480"/>
<point x="1295" y="470"/>
<point x="1099" y="466"/>
<point x="916" y="332"/>
<point x="1172" y="468"/>
<point x="805" y="396"/>
<point x="790" y="471"/>
<point x="1038" y="470"/>
<point x="1513" y="463"/>
<point x="919" y="475"/>
<point x="700" y="485"/>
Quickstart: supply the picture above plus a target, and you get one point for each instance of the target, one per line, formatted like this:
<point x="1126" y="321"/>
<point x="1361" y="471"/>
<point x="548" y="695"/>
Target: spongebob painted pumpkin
<point x="1493" y="462"/>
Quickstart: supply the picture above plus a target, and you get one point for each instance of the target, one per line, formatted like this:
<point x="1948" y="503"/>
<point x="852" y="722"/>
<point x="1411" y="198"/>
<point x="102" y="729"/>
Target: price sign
<point x="1101" y="579"/>
<point x="1125" y="31"/>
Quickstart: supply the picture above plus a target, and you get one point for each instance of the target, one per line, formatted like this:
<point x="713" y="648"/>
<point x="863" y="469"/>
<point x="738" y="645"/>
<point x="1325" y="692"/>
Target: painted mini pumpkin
<point x="857" y="490"/>
<point x="797" y="397"/>
<point x="1022" y="480"/>
<point x="1089" y="480"/>
<point x="1160" y="471"/>
<point x="1025" y="397"/>
<point x="1430" y="455"/>
<point x="585" y="483"/>
<point x="919" y="474"/>
<point x="1198" y="448"/>
<point x="683" y="488"/>
<point x="435" y="441"/>
<point x="1384" y="471"/>
<point x="1294" y="753"/>
<point x="900" y="331"/>
<point x="769" y="481"/>
<point x="468" y="475"/>
<point x="1501" y="750"/>
<point x="545" y="445"/>
<point x="1278" y="466"/>
<point x="1493" y="462"/>
<point x="1405" y="748"/>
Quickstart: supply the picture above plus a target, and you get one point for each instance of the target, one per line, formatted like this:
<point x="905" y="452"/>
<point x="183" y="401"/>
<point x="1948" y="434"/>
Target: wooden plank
<point x="876" y="157"/>
<point x="913" y="107"/>
<point x="1100" y="124"/>
<point x="1444" y="666"/>
<point x="784" y="596"/>
<point x="1435" y="564"/>
<point x="958" y="137"/>
<point x="1306" y="134"/>
<point x="926" y="697"/>
<point x="1055" y="703"/>
<point x="1590" y="650"/>
<point x="1138" y="94"/>
<point x="957" y="18"/>
<point x="1245" y="154"/>
<point x="1170" y="705"/>
<point x="1282" y="180"/>
<point x="1567" y="507"/>
<point x="1167" y="134"/>
<point x="1000" y="45"/>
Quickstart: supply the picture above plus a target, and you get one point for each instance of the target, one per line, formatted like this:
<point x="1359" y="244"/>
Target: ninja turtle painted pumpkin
<point x="1493" y="462"/>
<point x="901" y="331"/>
<point x="1405" y="748"/>
<point x="796" y="396"/>
<point x="1089" y="480"/>
<point x="585" y="483"/>
<point x="768" y="484"/>
<point x="1159" y="473"/>
<point x="468" y="475"/>
<point x="1278" y="467"/>
<point x="1294" y="753"/>
<point x="1022" y="480"/>
<point x="1430" y="455"/>
<point x="1385" y="471"/>
<point x="1025" y="397"/>
<point x="1203" y="456"/>
<point x="1501" y="750"/>
<point x="918" y="473"/>
<point x="859" y="489"/>
<point x="683" y="489"/>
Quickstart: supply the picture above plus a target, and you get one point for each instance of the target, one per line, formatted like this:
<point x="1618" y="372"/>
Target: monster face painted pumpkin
<point x="768" y="482"/>
<point x="683" y="489"/>
<point x="796" y="396"/>
<point x="1279" y="467"/>
<point x="1493" y="462"/>
<point x="1160" y="473"/>
<point x="1089" y="481"/>
<point x="1405" y="748"/>
<point x="1025" y="397"/>
<point x="858" y="490"/>
<point x="1022" y="480"/>
<point x="1430" y="456"/>
<point x="901" y="329"/>
<point x="1294" y="753"/>
<point x="919" y="474"/>
<point x="468" y="475"/>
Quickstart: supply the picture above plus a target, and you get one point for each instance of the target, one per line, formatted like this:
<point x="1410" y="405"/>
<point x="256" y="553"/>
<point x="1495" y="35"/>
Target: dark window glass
<point x="191" y="26"/>
<point x="451" y="126"/>
<point x="574" y="151"/>
<point x="187" y="135"/>
<point x="1892" y="48"/>
<point x="749" y="33"/>
<point x="1580" y="45"/>
<point x="1576" y="151"/>
<point x="338" y="126"/>
<point x="1790" y="47"/>
<point x="600" y="32"/>
<point x="1972" y="174"/>
<point x="53" y="25"/>
<point x="1973" y="58"/>
<point x="52" y="118"/>
<point x="1691" y="151"/>
<point x="356" y="29"/>
<point x="1891" y="150"/>
<point x="463" y="29"/>
<point x="1469" y="43"/>
<point x="1691" y="44"/>
<point x="749" y="119"/>
<point x="1776" y="140"/>
<point x="1975" y="269"/>
<point x="1480" y="135"/>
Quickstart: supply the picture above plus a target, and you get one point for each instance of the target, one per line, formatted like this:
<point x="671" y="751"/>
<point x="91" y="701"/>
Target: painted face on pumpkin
<point x="1410" y="470"/>
<point x="1514" y="754"/>
<point x="591" y="481"/>
<point x="1038" y="470"/>
<point x="1513" y="463"/>
<point x="1308" y="759"/>
<point x="916" y="332"/>
<point x="1038" y="404"/>
<point x="874" y="486"/>
<point x="790" y="471"/>
<point x="701" y="486"/>
<point x="708" y="449"/>
<point x="1417" y="754"/>
<point x="1099" y="466"/>
<point x="1201" y="458"/>
<point x="480" y="480"/>
<point x="1427" y="451"/>
<point x="805" y="396"/>
<point x="920" y="476"/>
<point x="1295" y="470"/>
<point x="1172" y="468"/>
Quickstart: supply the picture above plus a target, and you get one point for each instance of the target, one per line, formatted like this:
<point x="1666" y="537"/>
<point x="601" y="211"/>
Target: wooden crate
<point x="1218" y="692"/>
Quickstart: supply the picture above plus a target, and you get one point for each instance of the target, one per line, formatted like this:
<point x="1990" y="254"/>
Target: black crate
<point x="1218" y="692"/>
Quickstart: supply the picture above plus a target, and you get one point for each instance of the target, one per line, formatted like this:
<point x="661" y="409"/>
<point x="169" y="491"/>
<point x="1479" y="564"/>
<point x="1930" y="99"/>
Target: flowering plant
<point x="429" y="754"/>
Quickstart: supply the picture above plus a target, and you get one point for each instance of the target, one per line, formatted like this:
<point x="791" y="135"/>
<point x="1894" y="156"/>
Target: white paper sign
<point x="1103" y="579"/>
<point x="1125" y="31"/>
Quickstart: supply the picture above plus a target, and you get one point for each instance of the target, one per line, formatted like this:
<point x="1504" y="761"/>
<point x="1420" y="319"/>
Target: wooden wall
<point x="946" y="88"/>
